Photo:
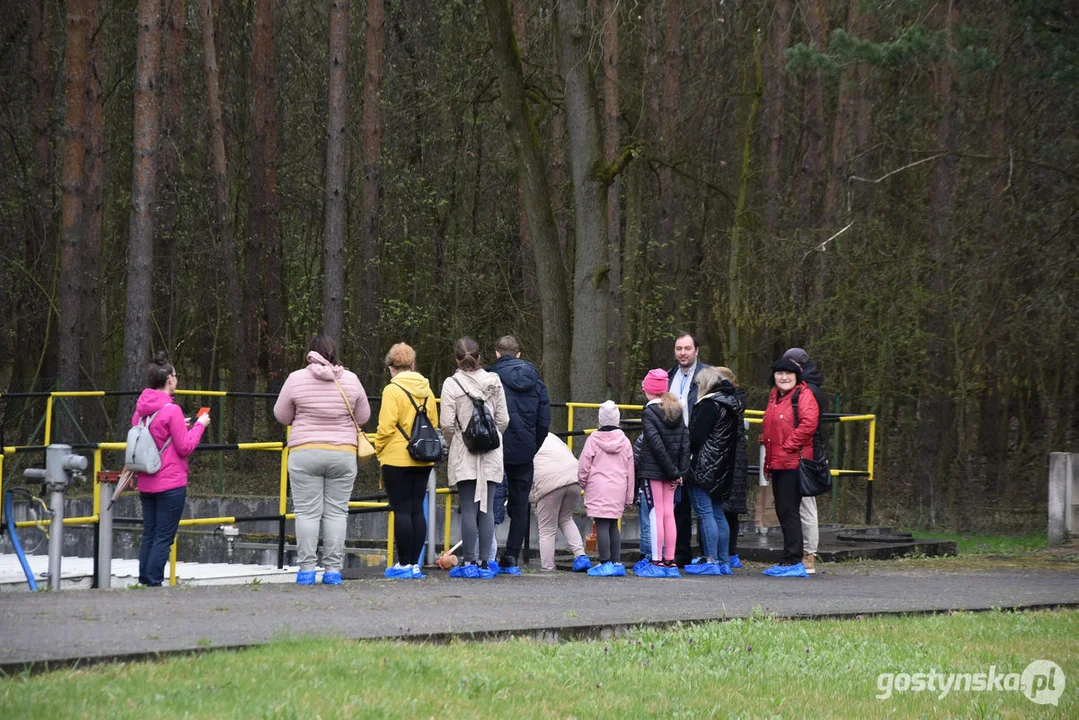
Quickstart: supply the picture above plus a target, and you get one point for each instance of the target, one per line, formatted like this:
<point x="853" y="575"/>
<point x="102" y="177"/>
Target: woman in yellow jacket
<point x="405" y="479"/>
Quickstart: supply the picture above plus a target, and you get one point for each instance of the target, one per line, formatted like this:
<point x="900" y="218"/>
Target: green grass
<point x="759" y="667"/>
<point x="986" y="544"/>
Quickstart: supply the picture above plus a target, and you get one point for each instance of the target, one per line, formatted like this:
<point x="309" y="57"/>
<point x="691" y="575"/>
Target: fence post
<point x="835" y="459"/>
<point x="1062" y="497"/>
<point x="104" y="533"/>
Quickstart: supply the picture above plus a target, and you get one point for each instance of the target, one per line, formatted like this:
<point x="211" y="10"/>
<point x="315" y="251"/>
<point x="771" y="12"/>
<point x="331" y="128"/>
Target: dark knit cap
<point x="798" y="355"/>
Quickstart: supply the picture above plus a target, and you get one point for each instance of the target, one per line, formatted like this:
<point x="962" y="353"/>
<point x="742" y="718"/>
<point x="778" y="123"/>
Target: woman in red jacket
<point x="785" y="443"/>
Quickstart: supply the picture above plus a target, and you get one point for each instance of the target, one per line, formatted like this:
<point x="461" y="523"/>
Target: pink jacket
<point x="168" y="423"/>
<point x="605" y="471"/>
<point x="311" y="403"/>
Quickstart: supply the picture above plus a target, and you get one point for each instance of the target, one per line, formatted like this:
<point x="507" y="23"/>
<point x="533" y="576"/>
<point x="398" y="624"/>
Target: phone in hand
<point x="202" y="411"/>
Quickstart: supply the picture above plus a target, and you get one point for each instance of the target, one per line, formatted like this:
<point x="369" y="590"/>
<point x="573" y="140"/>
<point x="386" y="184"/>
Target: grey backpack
<point x="142" y="454"/>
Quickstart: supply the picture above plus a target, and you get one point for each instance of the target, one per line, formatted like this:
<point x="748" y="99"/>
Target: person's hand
<point x="203" y="420"/>
<point x="675" y="483"/>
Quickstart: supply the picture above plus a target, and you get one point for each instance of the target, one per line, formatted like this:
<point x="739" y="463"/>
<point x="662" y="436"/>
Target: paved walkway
<point x="102" y="624"/>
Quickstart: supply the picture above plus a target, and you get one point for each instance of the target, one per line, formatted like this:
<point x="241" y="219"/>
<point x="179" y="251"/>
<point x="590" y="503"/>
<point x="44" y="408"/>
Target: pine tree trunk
<point x="612" y="140"/>
<point x="550" y="270"/>
<point x="775" y="93"/>
<point x="333" y="265"/>
<point x="73" y="224"/>
<point x="140" y="249"/>
<point x="371" y="303"/>
<point x="166" y="301"/>
<point x="590" y="292"/>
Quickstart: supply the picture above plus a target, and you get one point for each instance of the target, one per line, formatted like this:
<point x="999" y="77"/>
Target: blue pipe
<point x="10" y="515"/>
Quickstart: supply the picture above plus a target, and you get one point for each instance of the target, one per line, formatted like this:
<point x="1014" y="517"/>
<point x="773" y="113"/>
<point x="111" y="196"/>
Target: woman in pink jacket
<point x="324" y="403"/>
<point x="605" y="471"/>
<point x="163" y="493"/>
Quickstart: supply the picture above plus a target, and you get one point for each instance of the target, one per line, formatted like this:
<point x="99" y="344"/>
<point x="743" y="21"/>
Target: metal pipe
<point x="104" y="537"/>
<point x="432" y="499"/>
<point x="56" y="538"/>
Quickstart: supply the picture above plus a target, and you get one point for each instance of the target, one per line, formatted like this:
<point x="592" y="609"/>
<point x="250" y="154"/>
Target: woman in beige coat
<point x="475" y="475"/>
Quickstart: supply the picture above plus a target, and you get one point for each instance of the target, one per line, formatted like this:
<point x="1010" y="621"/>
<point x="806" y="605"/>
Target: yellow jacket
<point x="395" y="409"/>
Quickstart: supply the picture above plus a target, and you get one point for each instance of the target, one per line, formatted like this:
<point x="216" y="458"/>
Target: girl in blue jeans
<point x="713" y="438"/>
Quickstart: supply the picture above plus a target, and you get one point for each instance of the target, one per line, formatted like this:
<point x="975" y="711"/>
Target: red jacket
<point x="783" y="443"/>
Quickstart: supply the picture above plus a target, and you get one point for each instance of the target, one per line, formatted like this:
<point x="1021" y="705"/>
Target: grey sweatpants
<point x="322" y="483"/>
<point x="473" y="521"/>
<point x="807" y="513"/>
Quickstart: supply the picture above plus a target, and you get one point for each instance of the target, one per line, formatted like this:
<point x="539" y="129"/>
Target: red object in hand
<point x="202" y="411"/>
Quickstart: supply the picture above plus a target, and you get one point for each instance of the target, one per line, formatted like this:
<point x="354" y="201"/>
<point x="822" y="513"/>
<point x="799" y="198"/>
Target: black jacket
<point x="691" y="396"/>
<point x="665" y="449"/>
<point x="814" y="378"/>
<point x="528" y="405"/>
<point x="717" y="440"/>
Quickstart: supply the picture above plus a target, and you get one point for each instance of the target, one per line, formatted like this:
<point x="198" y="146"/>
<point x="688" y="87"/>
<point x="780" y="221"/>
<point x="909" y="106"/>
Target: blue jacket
<point x="529" y="406"/>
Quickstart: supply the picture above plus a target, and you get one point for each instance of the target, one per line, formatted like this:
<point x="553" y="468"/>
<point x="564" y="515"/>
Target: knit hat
<point x="655" y="382"/>
<point x="785" y="363"/>
<point x="608" y="414"/>
<point x="798" y="355"/>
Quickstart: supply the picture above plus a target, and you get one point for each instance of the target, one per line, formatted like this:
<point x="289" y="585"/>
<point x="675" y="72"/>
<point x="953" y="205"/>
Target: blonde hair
<point x="672" y="409"/>
<point x="401" y="357"/>
<point x="706" y="378"/>
<point x="727" y="374"/>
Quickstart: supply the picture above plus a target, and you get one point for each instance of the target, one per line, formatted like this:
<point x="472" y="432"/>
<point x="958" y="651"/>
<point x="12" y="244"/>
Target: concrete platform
<point x="42" y="630"/>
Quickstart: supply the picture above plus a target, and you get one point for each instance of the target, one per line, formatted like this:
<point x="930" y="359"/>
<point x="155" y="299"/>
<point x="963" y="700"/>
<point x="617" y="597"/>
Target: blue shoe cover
<point x="703" y="568"/>
<point x="603" y="570"/>
<point x="331" y="578"/>
<point x="725" y="569"/>
<point x="466" y="571"/>
<point x="795" y="570"/>
<point x="773" y="571"/>
<point x="497" y="569"/>
<point x="486" y="573"/>
<point x="399" y="572"/>
<point x="672" y="571"/>
<point x="417" y="573"/>
<point x="640" y="565"/>
<point x="650" y="571"/>
<point x="581" y="563"/>
<point x="305" y="577"/>
<point x="618" y="570"/>
<point x="735" y="562"/>
<point x="511" y="570"/>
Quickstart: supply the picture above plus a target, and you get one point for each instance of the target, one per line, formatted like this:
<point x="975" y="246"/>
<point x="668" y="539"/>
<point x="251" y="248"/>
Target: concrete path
<point x="66" y="627"/>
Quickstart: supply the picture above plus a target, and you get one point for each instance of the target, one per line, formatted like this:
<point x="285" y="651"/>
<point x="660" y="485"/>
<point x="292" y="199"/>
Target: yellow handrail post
<point x="48" y="419"/>
<point x="283" y="495"/>
<point x="97" y="490"/>
<point x="172" y="562"/>
<point x="569" y="425"/>
<point x="446" y="538"/>
<point x="872" y="445"/>
<point x="389" y="540"/>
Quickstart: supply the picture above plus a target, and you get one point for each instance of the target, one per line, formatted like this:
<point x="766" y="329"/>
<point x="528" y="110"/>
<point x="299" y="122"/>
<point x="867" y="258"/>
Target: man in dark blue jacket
<point x="683" y="385"/>
<point x="530" y="417"/>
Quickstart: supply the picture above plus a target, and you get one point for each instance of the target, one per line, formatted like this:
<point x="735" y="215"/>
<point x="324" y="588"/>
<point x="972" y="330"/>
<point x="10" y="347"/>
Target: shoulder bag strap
<point x="351" y="415"/>
<point x="414" y="407"/>
<point x="149" y="420"/>
<point x="794" y="404"/>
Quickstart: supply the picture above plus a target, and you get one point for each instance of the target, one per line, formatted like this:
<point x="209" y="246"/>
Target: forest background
<point x="890" y="184"/>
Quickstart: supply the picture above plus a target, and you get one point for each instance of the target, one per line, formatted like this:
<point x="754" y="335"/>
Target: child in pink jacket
<point x="605" y="471"/>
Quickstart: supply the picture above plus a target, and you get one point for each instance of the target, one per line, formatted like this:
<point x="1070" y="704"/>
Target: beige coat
<point x="456" y="411"/>
<point x="555" y="468"/>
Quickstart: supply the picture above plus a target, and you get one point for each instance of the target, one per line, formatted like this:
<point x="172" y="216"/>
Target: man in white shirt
<point x="683" y="385"/>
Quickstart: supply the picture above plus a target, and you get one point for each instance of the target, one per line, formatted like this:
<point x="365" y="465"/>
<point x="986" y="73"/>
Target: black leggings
<point x="788" y="502"/>
<point x="608" y="540"/>
<point x="406" y="487"/>
<point x="732" y="522"/>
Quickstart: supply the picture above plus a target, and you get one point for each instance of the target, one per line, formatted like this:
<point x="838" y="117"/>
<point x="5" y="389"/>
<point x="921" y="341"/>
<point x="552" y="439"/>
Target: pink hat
<point x="655" y="382"/>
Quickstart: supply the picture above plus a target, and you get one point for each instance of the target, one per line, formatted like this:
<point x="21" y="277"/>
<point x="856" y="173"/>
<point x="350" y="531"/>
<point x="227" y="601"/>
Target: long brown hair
<point x="672" y="409"/>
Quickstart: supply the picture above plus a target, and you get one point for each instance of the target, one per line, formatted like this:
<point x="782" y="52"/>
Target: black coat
<point x="529" y="408"/>
<point x="665" y="448"/>
<point x="717" y="439"/>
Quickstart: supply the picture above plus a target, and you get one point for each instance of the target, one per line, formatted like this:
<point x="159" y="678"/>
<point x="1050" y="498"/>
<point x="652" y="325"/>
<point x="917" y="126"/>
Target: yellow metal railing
<point x="754" y="417"/>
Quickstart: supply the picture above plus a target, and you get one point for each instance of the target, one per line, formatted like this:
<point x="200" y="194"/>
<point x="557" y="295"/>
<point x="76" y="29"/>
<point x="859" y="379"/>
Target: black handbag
<point x="814" y="476"/>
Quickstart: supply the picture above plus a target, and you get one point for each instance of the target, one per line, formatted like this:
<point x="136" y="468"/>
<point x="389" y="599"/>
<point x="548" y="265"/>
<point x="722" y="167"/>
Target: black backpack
<point x="424" y="443"/>
<point x="480" y="435"/>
